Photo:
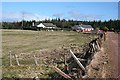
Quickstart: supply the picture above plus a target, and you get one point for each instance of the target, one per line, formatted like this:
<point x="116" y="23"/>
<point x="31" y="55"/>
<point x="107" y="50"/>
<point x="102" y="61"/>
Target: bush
<point x="105" y="29"/>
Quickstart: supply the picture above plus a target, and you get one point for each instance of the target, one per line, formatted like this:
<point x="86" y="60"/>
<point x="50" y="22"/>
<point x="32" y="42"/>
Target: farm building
<point x="46" y="26"/>
<point x="82" y="28"/>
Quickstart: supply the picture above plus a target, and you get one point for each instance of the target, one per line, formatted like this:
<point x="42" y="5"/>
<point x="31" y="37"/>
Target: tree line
<point x="63" y="24"/>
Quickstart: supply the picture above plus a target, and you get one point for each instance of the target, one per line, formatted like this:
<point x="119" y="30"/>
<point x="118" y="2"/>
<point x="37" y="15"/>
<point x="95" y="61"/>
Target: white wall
<point x="41" y="25"/>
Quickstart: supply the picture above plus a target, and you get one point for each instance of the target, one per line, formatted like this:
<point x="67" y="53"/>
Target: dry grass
<point x="23" y="41"/>
<point x="19" y="41"/>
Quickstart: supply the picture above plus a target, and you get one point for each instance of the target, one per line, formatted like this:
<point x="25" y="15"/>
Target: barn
<point x="82" y="28"/>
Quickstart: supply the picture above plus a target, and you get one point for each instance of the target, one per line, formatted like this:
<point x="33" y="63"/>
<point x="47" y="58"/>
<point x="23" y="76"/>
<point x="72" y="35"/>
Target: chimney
<point x="33" y="24"/>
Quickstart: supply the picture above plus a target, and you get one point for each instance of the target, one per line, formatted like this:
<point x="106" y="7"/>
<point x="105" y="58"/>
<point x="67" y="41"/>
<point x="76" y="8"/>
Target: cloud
<point x="41" y="17"/>
<point x="79" y="16"/>
<point x="58" y="15"/>
<point x="11" y="16"/>
<point x="93" y="17"/>
<point x="71" y="6"/>
<point x="18" y="16"/>
<point x="75" y="15"/>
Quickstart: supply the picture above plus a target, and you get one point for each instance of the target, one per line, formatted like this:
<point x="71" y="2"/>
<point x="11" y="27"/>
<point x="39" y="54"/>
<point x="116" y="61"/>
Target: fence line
<point x="93" y="47"/>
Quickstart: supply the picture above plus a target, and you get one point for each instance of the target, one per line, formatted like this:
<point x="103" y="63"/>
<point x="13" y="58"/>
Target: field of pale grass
<point x="26" y="41"/>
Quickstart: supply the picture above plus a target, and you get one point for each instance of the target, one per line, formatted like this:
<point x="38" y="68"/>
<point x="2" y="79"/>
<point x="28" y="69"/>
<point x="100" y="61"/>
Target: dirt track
<point x="107" y="60"/>
<point x="112" y="43"/>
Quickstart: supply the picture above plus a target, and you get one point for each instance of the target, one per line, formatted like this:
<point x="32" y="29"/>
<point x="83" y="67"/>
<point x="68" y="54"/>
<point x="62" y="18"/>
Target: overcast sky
<point x="15" y="11"/>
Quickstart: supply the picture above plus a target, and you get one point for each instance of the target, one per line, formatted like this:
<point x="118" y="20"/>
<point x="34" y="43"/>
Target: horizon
<point x="80" y="11"/>
<point x="61" y="20"/>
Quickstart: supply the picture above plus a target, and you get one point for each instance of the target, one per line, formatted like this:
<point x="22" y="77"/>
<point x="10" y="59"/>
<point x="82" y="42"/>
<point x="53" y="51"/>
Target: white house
<point x="46" y="25"/>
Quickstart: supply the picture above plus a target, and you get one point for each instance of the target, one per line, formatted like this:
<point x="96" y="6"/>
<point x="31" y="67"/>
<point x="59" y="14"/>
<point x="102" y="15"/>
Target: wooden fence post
<point x="104" y="36"/>
<point x="90" y="48"/>
<point x="65" y="59"/>
<point x="93" y="46"/>
<point x="98" y="46"/>
<point x="99" y="42"/>
<point x="10" y="56"/>
<point x="35" y="59"/>
<point x="77" y="60"/>
<point x="17" y="60"/>
<point x="61" y="72"/>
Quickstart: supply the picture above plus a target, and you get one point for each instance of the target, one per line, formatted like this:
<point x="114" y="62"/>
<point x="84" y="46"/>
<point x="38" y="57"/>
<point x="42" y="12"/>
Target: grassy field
<point x="23" y="41"/>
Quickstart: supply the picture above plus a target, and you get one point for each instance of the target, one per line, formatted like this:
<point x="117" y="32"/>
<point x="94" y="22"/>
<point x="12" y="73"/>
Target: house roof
<point x="81" y="26"/>
<point x="46" y="24"/>
<point x="49" y="24"/>
<point x="86" y="26"/>
<point x="76" y="27"/>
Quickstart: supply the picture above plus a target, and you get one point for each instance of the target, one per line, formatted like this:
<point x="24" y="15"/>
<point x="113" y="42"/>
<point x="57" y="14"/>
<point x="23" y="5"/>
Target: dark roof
<point x="86" y="26"/>
<point x="76" y="27"/>
<point x="49" y="24"/>
<point x="36" y="23"/>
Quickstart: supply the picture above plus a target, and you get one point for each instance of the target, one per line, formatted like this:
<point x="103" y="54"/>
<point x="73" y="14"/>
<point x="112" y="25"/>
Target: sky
<point x="119" y="10"/>
<point x="16" y="11"/>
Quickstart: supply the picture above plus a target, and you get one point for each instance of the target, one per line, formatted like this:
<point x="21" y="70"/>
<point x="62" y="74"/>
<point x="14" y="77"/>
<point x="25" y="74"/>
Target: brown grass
<point x="23" y="41"/>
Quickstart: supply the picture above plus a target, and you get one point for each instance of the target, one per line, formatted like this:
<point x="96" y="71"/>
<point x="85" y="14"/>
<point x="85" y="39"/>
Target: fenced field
<point x="33" y="42"/>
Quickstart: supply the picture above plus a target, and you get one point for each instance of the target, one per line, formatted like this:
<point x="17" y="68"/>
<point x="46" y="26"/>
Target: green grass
<point x="23" y="41"/>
